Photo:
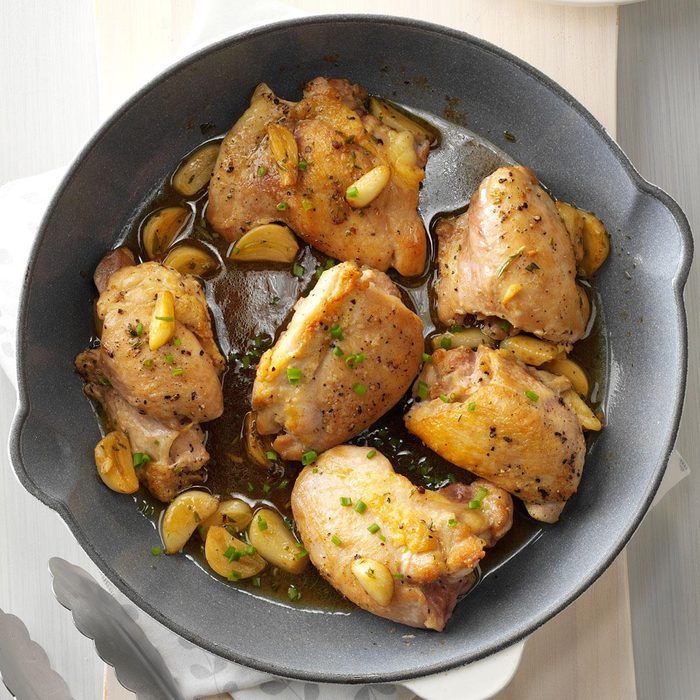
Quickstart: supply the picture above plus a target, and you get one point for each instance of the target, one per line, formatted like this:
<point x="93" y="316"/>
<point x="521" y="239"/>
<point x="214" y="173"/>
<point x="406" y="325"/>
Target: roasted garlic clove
<point x="564" y="367"/>
<point x="266" y="243"/>
<point x="115" y="463"/>
<point x="190" y="259"/>
<point x="531" y="351"/>
<point x="274" y="540"/>
<point x="183" y="515"/>
<point x="231" y="557"/>
<point x="235" y="514"/>
<point x="162" y="228"/>
<point x="196" y="171"/>
<point x="162" y="327"/>
<point x="284" y="150"/>
<point x="395" y="119"/>
<point x="254" y="446"/>
<point x="585" y="415"/>
<point x="375" y="579"/>
<point x="368" y="187"/>
<point x="467" y="338"/>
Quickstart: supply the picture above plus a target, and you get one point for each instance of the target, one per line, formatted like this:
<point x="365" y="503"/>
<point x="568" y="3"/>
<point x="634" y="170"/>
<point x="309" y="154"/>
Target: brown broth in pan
<point x="251" y="304"/>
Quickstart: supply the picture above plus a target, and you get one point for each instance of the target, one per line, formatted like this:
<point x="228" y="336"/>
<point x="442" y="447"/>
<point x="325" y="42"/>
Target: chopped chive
<point x="283" y="484"/>
<point x="308" y="457"/>
<point x="336" y="331"/>
<point x="360" y="506"/>
<point x="381" y="537"/>
<point x="505" y="326"/>
<point x="282" y="206"/>
<point x="169" y="319"/>
<point x="306" y="205"/>
<point x="139" y="328"/>
<point x="452" y="522"/>
<point x="359" y="389"/>
<point x="301" y="553"/>
<point x="230" y="553"/>
<point x="371" y="453"/>
<point x="293" y="593"/>
<point x="373" y="528"/>
<point x="262" y="523"/>
<point x="271" y="455"/>
<point x="303" y="165"/>
<point x="336" y="541"/>
<point x="250" y="487"/>
<point x="169" y="358"/>
<point x="140" y="458"/>
<point x="352" y="192"/>
<point x="148" y="363"/>
<point x="456" y="328"/>
<point x="255" y="581"/>
<point x="234" y="575"/>
<point x="177" y="342"/>
<point x="337" y="351"/>
<point x="250" y="550"/>
<point x="422" y="390"/>
<point x="477" y="500"/>
<point x="262" y="171"/>
<point x="446" y="342"/>
<point x="104" y="381"/>
<point x="297" y="270"/>
<point x="427" y="357"/>
<point x="293" y="375"/>
<point x="156" y="551"/>
<point x="267" y="488"/>
<point x="445" y="398"/>
<point x="532" y="395"/>
<point x="471" y="407"/>
<point x="345" y="501"/>
<point x="177" y="371"/>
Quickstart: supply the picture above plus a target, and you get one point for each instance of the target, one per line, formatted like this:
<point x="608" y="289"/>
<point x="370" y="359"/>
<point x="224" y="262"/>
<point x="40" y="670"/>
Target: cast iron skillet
<point x="423" y="65"/>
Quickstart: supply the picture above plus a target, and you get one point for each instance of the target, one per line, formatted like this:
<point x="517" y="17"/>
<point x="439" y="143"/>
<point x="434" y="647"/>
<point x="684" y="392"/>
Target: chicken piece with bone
<point x="511" y="256"/>
<point x="157" y="370"/>
<point x="350" y="352"/>
<point x="511" y="424"/>
<point x="344" y="180"/>
<point x="397" y="550"/>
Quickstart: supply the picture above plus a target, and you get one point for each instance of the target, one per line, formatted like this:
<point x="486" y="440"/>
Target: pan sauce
<point x="251" y="304"/>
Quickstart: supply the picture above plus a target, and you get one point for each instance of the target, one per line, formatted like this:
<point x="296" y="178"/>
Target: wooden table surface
<point x="586" y="651"/>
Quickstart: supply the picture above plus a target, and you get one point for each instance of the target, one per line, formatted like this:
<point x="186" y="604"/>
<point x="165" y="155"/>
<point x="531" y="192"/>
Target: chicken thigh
<point x="157" y="397"/>
<point x="399" y="551"/>
<point x="298" y="163"/>
<point x="511" y="256"/>
<point x="349" y="353"/>
<point x="490" y="414"/>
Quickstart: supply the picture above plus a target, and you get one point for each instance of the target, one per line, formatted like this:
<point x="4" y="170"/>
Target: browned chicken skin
<point x="158" y="398"/>
<point x="335" y="142"/>
<point x="510" y="256"/>
<point x="504" y="422"/>
<point x="430" y="541"/>
<point x="349" y="353"/>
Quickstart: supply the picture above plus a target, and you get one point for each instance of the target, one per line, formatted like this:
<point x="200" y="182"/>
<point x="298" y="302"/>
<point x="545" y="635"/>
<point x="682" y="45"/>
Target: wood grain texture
<point x="659" y="76"/>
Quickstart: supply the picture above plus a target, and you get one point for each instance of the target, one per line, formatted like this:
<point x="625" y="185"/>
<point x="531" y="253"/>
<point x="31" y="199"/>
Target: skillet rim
<point x="680" y="359"/>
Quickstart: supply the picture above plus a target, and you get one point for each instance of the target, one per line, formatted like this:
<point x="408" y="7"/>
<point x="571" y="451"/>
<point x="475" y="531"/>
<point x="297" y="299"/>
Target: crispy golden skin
<point x="257" y="181"/>
<point x="510" y="256"/>
<point x="429" y="540"/>
<point x="502" y="422"/>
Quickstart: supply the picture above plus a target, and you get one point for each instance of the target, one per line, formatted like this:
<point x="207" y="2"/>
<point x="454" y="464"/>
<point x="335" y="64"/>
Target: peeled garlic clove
<point x="183" y="515"/>
<point x="395" y="119"/>
<point x="269" y="534"/>
<point x="531" y="351"/>
<point x="564" y="367"/>
<point x="194" y="174"/>
<point x="115" y="463"/>
<point x="234" y="513"/>
<point x="162" y="327"/>
<point x="231" y="557"/>
<point x="266" y="243"/>
<point x="573" y="222"/>
<point x="585" y="415"/>
<point x="596" y="244"/>
<point x="161" y="229"/>
<point x="190" y="259"/>
<point x="254" y="447"/>
<point x="368" y="187"/>
<point x="375" y="579"/>
<point x="284" y="150"/>
<point x="467" y="338"/>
